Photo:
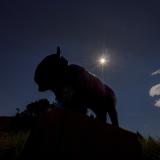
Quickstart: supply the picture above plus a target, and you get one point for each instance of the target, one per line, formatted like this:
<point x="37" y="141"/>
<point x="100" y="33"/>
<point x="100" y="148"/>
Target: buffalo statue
<point x="75" y="88"/>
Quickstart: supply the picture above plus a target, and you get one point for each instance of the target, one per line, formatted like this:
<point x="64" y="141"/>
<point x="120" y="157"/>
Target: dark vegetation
<point x="15" y="130"/>
<point x="33" y="111"/>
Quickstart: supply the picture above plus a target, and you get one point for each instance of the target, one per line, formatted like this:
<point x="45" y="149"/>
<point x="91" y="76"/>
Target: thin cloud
<point x="157" y="103"/>
<point x="156" y="72"/>
<point x="155" y="90"/>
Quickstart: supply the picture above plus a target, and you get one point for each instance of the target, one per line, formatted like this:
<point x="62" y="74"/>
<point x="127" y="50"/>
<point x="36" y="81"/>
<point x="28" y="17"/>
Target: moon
<point x="103" y="60"/>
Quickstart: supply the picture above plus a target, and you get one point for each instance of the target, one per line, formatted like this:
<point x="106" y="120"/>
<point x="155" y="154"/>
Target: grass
<point x="12" y="143"/>
<point x="151" y="148"/>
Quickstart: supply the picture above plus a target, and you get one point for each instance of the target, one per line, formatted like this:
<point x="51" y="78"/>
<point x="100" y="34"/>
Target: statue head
<point x="49" y="71"/>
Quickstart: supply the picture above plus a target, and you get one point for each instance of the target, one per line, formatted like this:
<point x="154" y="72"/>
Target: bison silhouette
<point x="75" y="88"/>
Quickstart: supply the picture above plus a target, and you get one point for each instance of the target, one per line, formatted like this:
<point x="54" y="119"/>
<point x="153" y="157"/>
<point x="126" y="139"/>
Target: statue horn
<point x="58" y="51"/>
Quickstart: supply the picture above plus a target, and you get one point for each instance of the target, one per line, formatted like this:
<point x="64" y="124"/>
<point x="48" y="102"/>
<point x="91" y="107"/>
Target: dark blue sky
<point x="128" y="31"/>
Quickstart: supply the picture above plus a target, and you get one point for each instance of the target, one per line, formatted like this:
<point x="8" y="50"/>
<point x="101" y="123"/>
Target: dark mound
<point x="62" y="134"/>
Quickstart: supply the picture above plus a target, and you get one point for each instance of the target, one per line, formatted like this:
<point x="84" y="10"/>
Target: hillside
<point x="5" y="122"/>
<point x="64" y="134"/>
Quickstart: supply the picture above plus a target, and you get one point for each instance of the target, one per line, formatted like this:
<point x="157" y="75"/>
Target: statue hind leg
<point x="103" y="115"/>
<point x="113" y="116"/>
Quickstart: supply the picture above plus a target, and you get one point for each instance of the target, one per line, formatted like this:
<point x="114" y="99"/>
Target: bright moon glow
<point x="102" y="60"/>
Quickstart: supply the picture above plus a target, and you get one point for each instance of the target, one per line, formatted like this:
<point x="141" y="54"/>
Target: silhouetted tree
<point x="38" y="108"/>
<point x="34" y="110"/>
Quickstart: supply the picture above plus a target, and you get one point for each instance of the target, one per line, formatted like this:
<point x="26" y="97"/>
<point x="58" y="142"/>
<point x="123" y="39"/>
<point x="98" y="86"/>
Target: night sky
<point x="128" y="32"/>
